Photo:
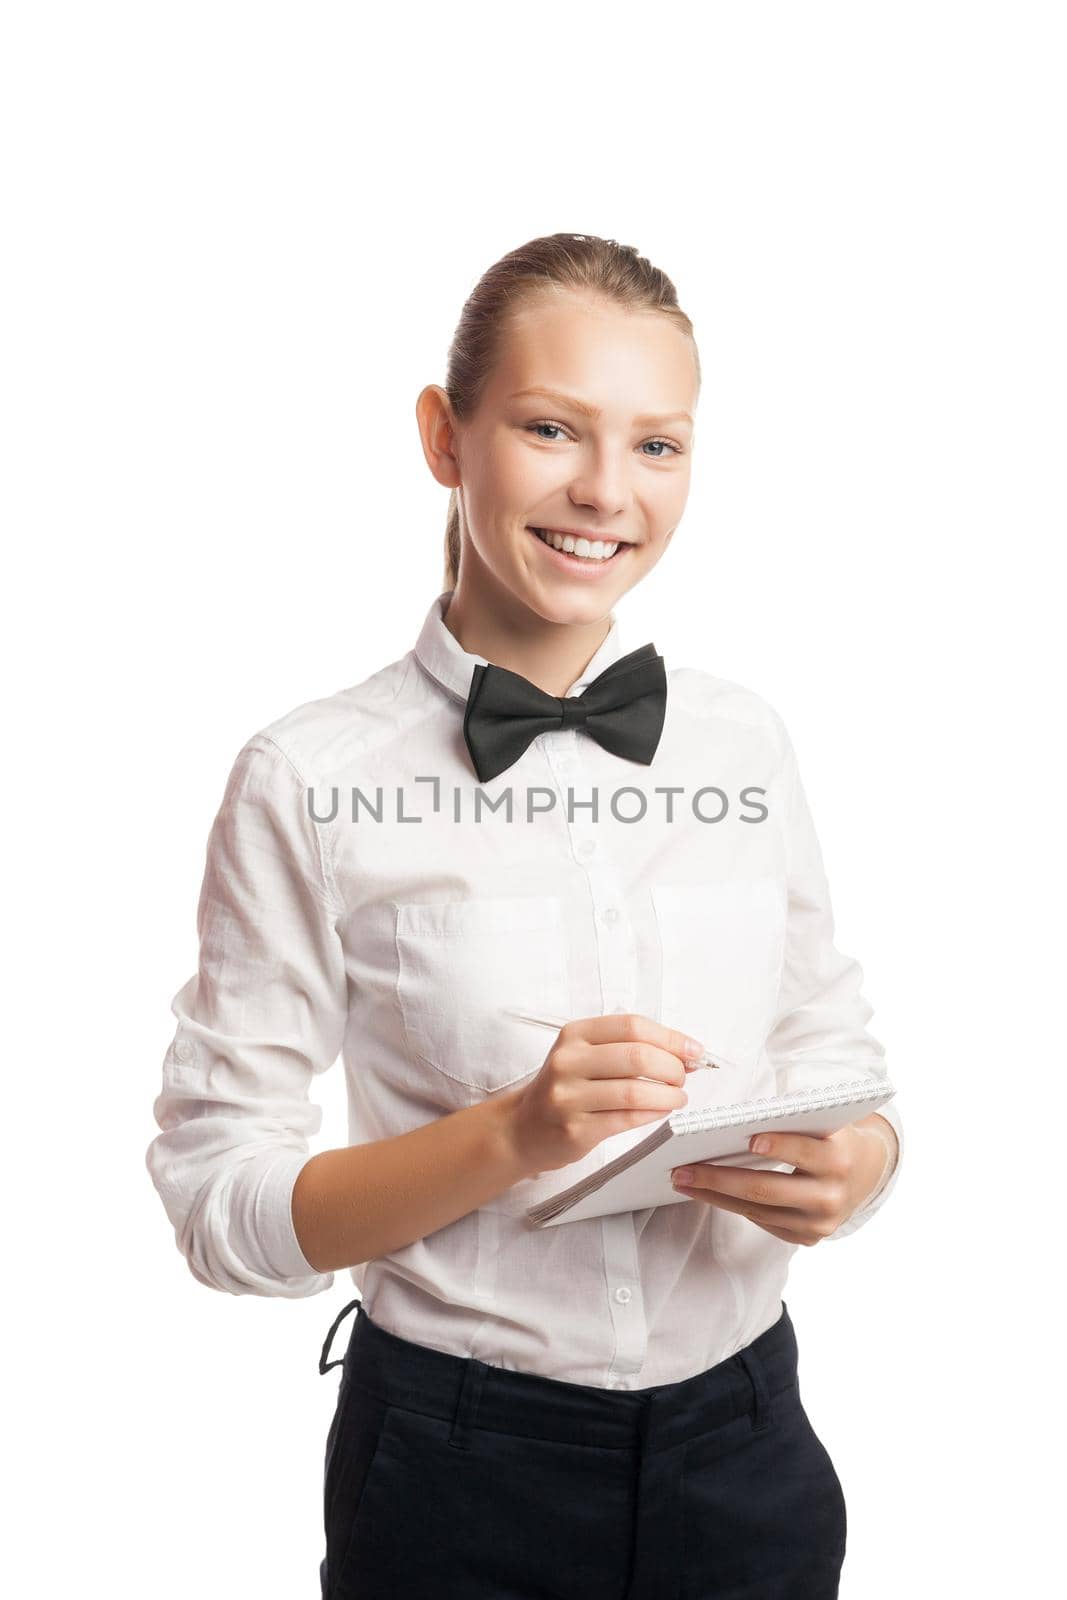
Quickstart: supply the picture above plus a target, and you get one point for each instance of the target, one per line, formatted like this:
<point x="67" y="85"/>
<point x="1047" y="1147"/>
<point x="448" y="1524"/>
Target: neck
<point x="552" y="655"/>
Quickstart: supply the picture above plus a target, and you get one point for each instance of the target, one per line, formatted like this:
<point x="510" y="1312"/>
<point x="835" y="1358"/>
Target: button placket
<point x="617" y="965"/>
<point x="625" y="1303"/>
<point x="564" y="757"/>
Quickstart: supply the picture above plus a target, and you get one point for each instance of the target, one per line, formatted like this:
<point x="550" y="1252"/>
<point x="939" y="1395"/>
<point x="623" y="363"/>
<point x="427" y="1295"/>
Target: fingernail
<point x="761" y="1145"/>
<point x="693" y="1047"/>
<point x="684" y="1175"/>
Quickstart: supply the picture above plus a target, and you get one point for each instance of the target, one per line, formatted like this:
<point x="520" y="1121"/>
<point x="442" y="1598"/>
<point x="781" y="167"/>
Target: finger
<point x="633" y="1027"/>
<point x="635" y="1060"/>
<point x="785" y="1218"/>
<point x="753" y="1186"/>
<point x="790" y="1238"/>
<point x="821" y="1155"/>
<point x="628" y="1094"/>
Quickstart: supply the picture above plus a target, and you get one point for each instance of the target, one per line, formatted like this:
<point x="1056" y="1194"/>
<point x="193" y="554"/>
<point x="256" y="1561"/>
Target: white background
<point x="238" y="238"/>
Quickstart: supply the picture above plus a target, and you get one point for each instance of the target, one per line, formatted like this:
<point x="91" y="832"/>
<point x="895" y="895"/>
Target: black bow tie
<point x="623" y="709"/>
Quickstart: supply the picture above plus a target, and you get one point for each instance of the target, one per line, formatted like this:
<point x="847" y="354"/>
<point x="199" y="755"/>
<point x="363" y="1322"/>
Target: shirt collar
<point x="440" y="653"/>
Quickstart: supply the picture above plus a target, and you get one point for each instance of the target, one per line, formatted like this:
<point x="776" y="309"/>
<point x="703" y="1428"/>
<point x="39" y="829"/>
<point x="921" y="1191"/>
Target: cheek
<point x="533" y="482"/>
<point x="671" y="508"/>
<point x="512" y="472"/>
<point x="655" y="550"/>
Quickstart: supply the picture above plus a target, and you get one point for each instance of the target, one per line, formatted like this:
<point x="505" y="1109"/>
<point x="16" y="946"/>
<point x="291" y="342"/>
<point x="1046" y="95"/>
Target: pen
<point x="708" y="1059"/>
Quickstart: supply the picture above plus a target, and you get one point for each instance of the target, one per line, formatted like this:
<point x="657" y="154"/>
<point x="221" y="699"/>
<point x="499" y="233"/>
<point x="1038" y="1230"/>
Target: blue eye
<point x="531" y="427"/>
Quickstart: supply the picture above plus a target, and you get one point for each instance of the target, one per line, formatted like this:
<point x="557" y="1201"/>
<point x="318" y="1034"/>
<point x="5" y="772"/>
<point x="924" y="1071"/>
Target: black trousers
<point x="449" y="1479"/>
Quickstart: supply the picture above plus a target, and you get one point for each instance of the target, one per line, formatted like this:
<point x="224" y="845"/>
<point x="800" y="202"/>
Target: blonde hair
<point x="558" y="260"/>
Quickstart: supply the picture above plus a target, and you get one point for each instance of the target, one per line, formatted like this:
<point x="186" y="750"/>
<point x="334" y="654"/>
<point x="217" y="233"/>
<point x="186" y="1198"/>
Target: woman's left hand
<point x="835" y="1174"/>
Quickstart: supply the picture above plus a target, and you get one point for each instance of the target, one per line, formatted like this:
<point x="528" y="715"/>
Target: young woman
<point x="524" y="816"/>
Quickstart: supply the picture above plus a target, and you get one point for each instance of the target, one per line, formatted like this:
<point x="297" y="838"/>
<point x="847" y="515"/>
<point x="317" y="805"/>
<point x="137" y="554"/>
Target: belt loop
<point x="470" y="1393"/>
<point x="761" y="1410"/>
<point x="324" y="1365"/>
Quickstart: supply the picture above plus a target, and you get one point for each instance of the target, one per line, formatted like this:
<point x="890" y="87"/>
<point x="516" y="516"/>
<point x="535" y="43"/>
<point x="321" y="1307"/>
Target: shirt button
<point x="611" y="914"/>
<point x="616" y="1383"/>
<point x="623" y="1296"/>
<point x="586" y="847"/>
<point x="183" y="1051"/>
<point x="617" y="1009"/>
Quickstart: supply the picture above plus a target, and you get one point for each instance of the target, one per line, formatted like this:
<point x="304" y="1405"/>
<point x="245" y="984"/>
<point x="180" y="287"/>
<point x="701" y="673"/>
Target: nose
<point x="600" y="483"/>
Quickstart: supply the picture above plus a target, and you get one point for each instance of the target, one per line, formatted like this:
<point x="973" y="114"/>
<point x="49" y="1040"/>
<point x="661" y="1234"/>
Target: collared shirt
<point x="365" y="896"/>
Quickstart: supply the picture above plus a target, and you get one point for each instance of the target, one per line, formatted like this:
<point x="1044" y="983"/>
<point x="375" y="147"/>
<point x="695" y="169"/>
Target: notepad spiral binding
<point x="853" y="1092"/>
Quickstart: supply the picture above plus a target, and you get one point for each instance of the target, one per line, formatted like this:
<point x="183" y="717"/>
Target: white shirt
<point x="400" y="939"/>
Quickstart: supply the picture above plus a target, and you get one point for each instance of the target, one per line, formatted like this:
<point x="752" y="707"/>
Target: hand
<point x="603" y="1075"/>
<point x="835" y="1174"/>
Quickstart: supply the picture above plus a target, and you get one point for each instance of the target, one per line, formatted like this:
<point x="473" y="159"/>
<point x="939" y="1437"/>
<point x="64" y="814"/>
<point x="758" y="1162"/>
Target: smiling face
<point x="603" y="452"/>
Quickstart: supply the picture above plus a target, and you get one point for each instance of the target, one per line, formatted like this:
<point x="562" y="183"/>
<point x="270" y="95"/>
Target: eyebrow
<point x="594" y="411"/>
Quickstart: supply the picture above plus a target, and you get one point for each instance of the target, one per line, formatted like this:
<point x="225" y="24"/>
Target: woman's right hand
<point x="602" y="1076"/>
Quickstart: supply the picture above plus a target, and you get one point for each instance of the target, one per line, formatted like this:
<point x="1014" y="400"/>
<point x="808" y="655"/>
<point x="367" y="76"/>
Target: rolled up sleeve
<point x="820" y="1031"/>
<point x="264" y="1012"/>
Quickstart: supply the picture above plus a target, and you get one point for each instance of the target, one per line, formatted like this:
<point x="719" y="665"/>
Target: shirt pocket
<point x="460" y="966"/>
<point x="721" y="946"/>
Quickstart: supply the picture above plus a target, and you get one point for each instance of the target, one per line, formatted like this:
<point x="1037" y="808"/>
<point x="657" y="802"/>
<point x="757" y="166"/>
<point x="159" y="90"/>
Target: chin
<point x="569" y="608"/>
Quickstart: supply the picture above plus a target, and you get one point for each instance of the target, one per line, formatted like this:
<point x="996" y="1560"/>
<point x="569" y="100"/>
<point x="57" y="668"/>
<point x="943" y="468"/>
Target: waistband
<point x="470" y="1393"/>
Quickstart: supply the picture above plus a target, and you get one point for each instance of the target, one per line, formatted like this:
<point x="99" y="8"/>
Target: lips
<point x="583" y="533"/>
<point x="575" y="560"/>
<point x="582" y="569"/>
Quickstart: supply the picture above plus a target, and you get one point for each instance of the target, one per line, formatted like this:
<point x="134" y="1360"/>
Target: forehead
<point x="610" y="356"/>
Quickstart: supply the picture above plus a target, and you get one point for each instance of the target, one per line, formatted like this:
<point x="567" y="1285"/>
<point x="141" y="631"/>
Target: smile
<point x="579" y="552"/>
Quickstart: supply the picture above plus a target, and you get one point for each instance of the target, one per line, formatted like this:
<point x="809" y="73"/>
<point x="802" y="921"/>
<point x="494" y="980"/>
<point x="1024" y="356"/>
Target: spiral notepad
<point x="641" y="1176"/>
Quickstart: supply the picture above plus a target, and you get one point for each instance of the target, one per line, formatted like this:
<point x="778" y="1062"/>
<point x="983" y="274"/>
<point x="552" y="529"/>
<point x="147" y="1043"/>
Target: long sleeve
<point x="819" y="1035"/>
<point x="265" y="1011"/>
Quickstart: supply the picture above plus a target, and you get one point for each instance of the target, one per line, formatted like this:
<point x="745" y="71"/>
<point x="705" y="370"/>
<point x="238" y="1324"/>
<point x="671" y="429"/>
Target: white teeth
<point x="595" y="550"/>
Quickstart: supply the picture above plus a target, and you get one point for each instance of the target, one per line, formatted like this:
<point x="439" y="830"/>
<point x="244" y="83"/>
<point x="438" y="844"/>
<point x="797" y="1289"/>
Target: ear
<point x="437" y="432"/>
